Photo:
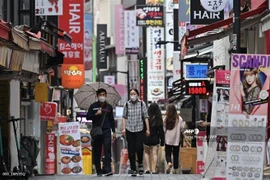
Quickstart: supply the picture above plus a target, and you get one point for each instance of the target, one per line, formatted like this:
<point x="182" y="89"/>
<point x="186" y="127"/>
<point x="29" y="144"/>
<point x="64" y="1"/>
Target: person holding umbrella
<point x="135" y="127"/>
<point x="101" y="114"/>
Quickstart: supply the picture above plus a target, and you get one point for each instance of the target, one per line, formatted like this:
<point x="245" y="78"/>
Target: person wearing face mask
<point x="135" y="126"/>
<point x="207" y="123"/>
<point x="96" y="113"/>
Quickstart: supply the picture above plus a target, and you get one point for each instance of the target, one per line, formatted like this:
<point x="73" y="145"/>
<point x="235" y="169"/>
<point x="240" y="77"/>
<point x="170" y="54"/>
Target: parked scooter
<point x="19" y="172"/>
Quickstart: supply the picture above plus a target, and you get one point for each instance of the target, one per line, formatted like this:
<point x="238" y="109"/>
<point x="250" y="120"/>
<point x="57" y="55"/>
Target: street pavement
<point x="121" y="177"/>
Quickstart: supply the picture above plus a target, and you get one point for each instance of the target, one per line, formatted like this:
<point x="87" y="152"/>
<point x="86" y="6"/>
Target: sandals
<point x="147" y="172"/>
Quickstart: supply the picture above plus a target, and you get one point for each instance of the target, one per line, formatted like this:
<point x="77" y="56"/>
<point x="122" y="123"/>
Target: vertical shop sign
<point x="142" y="79"/>
<point x="169" y="46"/>
<point x="131" y="33"/>
<point x="176" y="46"/>
<point x="48" y="7"/>
<point x="250" y="77"/>
<point x="155" y="64"/>
<point x="101" y="44"/>
<point x="70" y="148"/>
<point x="200" y="151"/>
<point x="50" y="154"/>
<point x="88" y="39"/>
<point x="119" y="30"/>
<point x="72" y="21"/>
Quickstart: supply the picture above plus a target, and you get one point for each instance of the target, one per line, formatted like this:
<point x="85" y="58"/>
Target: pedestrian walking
<point x="135" y="127"/>
<point x="156" y="138"/>
<point x="173" y="127"/>
<point x="101" y="114"/>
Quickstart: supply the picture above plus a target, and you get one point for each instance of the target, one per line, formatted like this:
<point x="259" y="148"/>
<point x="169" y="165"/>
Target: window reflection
<point x="25" y="5"/>
<point x="25" y="19"/>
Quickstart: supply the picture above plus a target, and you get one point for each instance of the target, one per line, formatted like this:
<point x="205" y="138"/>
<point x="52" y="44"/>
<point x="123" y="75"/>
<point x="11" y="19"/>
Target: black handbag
<point x="97" y="132"/>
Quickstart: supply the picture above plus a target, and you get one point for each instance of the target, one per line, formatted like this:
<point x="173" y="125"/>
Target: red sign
<point x="72" y="21"/>
<point x="60" y="119"/>
<point x="197" y="87"/>
<point x="50" y="154"/>
<point x="48" y="111"/>
<point x="72" y="76"/>
<point x="200" y="167"/>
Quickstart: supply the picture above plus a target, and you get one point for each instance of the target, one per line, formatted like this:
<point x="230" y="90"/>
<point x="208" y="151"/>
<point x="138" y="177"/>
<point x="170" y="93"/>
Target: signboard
<point x="200" y="16"/>
<point x="176" y="46"/>
<point x="248" y="112"/>
<point x="72" y="21"/>
<point x="70" y="148"/>
<point x="214" y="5"/>
<point x="72" y="76"/>
<point x="197" y="87"/>
<point x="41" y="92"/>
<point x="155" y="64"/>
<point x="109" y="80"/>
<point x="48" y="111"/>
<point x="50" y="154"/>
<point x="149" y="15"/>
<point x="131" y="33"/>
<point x="153" y="2"/>
<point x="142" y="78"/>
<point x="49" y="7"/>
<point x="169" y="46"/>
<point x="195" y="71"/>
<point x="101" y="44"/>
<point x="88" y="43"/>
<point x="119" y="30"/>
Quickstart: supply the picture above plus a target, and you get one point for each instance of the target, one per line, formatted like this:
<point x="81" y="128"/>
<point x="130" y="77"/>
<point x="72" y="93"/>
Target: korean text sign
<point x="155" y="64"/>
<point x="70" y="148"/>
<point x="149" y="15"/>
<point x="72" y="75"/>
<point x="50" y="153"/>
<point x="131" y="33"/>
<point x="248" y="110"/>
<point x="72" y="21"/>
<point x="48" y="111"/>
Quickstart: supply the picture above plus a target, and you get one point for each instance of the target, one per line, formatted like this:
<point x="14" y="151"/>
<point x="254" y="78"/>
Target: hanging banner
<point x="72" y="21"/>
<point x="169" y="46"/>
<point x="149" y="15"/>
<point x="218" y="141"/>
<point x="88" y="39"/>
<point x="119" y="30"/>
<point x="200" y="16"/>
<point x="155" y="68"/>
<point x="48" y="7"/>
<point x="250" y="80"/>
<point x="72" y="76"/>
<point x="131" y="33"/>
<point x="50" y="166"/>
<point x="101" y="44"/>
<point x="70" y="148"/>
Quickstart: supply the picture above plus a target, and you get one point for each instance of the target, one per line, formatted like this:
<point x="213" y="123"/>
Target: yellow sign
<point x="41" y="92"/>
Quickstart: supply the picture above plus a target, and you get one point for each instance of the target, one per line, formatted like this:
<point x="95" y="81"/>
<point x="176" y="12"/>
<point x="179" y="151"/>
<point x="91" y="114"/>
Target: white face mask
<point x="101" y="99"/>
<point x="133" y="98"/>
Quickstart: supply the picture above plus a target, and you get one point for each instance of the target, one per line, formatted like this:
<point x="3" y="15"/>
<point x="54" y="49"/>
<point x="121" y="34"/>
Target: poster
<point x="216" y="160"/>
<point x="88" y="43"/>
<point x="250" y="75"/>
<point x="70" y="148"/>
<point x="155" y="64"/>
<point x="149" y="15"/>
<point x="48" y="7"/>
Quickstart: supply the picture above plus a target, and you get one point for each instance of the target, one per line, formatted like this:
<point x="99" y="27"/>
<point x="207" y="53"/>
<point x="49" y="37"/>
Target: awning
<point x="4" y="30"/>
<point x="228" y="31"/>
<point x="265" y="23"/>
<point x="226" y="22"/>
<point x="200" y="52"/>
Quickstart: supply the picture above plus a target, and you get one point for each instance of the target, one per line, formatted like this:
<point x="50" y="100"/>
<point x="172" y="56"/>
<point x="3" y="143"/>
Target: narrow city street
<point x="122" y="177"/>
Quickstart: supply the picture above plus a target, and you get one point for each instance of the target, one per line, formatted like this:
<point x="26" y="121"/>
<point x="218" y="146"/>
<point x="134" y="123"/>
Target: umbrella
<point x="87" y="95"/>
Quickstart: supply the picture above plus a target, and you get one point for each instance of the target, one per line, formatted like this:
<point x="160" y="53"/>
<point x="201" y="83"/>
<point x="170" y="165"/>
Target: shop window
<point x="25" y="19"/>
<point x="25" y="5"/>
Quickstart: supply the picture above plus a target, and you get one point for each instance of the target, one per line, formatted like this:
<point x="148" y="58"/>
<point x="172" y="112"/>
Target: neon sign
<point x="142" y="79"/>
<point x="197" y="87"/>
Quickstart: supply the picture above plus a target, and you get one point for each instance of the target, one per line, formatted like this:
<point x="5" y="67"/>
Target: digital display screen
<point x="196" y="71"/>
<point x="197" y="87"/>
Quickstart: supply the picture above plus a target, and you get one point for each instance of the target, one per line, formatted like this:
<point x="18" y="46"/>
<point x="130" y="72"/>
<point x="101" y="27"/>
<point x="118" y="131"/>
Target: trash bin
<point x="29" y="150"/>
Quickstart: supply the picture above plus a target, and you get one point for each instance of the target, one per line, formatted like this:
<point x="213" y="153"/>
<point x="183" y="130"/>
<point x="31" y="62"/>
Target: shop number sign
<point x="214" y="5"/>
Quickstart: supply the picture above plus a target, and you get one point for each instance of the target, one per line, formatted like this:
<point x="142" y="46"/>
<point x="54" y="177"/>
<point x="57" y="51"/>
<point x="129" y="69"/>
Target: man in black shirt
<point x="96" y="113"/>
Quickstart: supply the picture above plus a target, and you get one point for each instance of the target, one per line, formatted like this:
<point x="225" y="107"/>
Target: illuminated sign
<point x="196" y="71"/>
<point x="197" y="87"/>
<point x="142" y="79"/>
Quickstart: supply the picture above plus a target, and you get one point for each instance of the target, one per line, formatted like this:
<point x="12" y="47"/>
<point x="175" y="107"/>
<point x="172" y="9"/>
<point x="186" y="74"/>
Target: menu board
<point x="70" y="148"/>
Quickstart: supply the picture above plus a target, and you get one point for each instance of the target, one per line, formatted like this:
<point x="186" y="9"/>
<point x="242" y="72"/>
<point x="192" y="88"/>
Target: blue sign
<point x="196" y="71"/>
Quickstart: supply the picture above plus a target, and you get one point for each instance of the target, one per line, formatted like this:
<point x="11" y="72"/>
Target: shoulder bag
<point x="96" y="132"/>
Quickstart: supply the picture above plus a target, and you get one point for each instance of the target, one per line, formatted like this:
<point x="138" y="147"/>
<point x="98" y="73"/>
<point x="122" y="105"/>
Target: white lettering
<point x="206" y="15"/>
<point x="74" y="23"/>
<point x="102" y="40"/>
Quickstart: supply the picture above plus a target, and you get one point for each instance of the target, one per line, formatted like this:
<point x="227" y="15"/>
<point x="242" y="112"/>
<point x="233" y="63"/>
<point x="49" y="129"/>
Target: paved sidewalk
<point x="121" y="177"/>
